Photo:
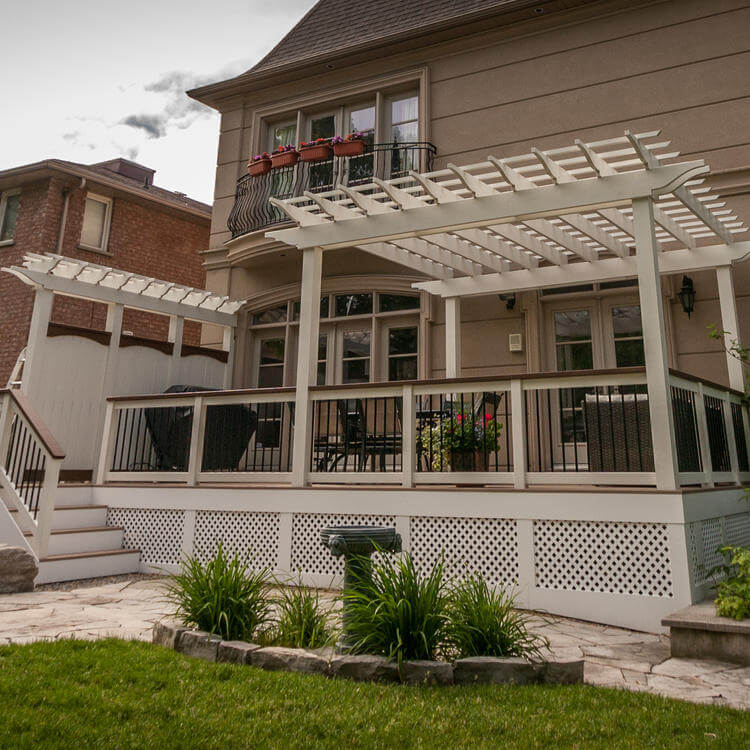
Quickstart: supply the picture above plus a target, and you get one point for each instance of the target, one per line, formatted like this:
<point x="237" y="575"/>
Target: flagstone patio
<point x="614" y="657"/>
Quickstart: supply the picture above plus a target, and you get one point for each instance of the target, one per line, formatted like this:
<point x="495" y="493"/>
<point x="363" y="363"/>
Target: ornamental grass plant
<point x="483" y="622"/>
<point x="301" y="619"/>
<point x="222" y="596"/>
<point x="398" y="612"/>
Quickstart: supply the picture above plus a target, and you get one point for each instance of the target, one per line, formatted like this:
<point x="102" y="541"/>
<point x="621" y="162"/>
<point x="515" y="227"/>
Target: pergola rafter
<point x="593" y="221"/>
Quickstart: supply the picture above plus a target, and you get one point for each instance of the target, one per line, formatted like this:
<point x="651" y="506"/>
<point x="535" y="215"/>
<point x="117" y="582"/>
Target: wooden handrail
<point x="41" y="430"/>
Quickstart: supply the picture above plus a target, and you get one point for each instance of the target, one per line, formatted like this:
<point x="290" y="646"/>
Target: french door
<point x="604" y="333"/>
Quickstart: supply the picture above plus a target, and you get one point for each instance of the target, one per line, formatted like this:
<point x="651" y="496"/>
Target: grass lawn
<point x="116" y="694"/>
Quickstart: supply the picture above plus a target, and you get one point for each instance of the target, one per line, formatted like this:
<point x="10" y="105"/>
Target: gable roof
<point x="334" y="28"/>
<point x="334" y="25"/>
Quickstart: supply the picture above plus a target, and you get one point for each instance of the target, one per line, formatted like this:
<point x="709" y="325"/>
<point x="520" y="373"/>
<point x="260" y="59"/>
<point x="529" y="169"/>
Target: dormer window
<point x="97" y="216"/>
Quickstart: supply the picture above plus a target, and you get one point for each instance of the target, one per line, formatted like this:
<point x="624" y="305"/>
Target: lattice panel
<point x="309" y="556"/>
<point x="488" y="546"/>
<point x="253" y="536"/>
<point x="697" y="574"/>
<point x="712" y="538"/>
<point x="737" y="528"/>
<point x="607" y="557"/>
<point x="156" y="533"/>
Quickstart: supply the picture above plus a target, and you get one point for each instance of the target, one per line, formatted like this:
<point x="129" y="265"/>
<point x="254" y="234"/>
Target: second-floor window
<point x="97" y="216"/>
<point x="9" y="203"/>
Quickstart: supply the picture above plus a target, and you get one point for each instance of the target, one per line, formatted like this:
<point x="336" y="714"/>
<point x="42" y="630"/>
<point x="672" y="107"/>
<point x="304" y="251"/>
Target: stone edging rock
<point x="365" y="668"/>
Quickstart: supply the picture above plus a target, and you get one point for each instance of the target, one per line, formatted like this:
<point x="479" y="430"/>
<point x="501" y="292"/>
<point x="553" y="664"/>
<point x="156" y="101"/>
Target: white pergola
<point x="53" y="274"/>
<point x="591" y="212"/>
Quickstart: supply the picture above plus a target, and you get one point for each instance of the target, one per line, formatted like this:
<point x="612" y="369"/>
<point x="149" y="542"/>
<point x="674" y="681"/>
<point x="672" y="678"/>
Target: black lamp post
<point x="687" y="295"/>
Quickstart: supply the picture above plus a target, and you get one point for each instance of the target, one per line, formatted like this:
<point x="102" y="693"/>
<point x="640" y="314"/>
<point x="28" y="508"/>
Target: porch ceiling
<point x="77" y="278"/>
<point x="542" y="219"/>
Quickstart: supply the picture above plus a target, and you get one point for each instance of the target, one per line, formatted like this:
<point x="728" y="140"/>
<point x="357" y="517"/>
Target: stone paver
<point x="614" y="657"/>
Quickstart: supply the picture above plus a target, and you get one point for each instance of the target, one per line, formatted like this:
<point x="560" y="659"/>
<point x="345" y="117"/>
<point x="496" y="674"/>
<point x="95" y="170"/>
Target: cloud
<point x="155" y="126"/>
<point x="176" y="108"/>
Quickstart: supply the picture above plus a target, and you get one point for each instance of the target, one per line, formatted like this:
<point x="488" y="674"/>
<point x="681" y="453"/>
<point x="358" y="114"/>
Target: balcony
<point x="252" y="211"/>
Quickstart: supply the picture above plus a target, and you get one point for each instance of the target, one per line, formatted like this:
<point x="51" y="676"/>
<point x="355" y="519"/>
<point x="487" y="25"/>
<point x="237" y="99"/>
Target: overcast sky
<point x="87" y="81"/>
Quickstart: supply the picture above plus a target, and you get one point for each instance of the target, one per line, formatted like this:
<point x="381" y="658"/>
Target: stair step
<point x="83" y="530"/>
<point x="98" y="553"/>
<point x="78" y="516"/>
<point x="89" y="539"/>
<point x="77" y="565"/>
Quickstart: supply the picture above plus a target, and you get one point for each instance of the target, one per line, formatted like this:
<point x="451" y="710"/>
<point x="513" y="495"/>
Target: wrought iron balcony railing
<point x="252" y="211"/>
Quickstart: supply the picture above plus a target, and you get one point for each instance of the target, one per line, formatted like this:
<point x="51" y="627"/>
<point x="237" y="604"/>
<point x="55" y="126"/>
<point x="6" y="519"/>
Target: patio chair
<point x="618" y="430"/>
<point x="228" y="431"/>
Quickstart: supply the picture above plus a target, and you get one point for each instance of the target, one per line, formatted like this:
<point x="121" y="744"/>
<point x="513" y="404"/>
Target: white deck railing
<point x="585" y="428"/>
<point x="30" y="461"/>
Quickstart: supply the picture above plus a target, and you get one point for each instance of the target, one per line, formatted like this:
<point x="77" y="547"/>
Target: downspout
<point x="64" y="215"/>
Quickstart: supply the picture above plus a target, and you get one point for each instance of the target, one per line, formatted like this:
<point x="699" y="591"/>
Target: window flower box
<point x="259" y="165"/>
<point x="352" y="145"/>
<point x="318" y="150"/>
<point x="284" y="156"/>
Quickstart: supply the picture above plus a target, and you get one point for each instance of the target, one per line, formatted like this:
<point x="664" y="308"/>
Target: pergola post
<point x="730" y="324"/>
<point x="655" y="345"/>
<point x="307" y="361"/>
<point x="40" y="318"/>
<point x="176" y="329"/>
<point x="453" y="337"/>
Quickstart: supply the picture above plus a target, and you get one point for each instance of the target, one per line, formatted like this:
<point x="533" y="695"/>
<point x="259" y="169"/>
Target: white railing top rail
<point x="709" y="387"/>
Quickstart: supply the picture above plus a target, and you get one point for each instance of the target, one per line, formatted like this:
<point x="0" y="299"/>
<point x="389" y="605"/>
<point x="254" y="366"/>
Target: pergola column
<point x="655" y="345"/>
<point x="307" y="361"/>
<point x="453" y="337"/>
<point x="730" y="324"/>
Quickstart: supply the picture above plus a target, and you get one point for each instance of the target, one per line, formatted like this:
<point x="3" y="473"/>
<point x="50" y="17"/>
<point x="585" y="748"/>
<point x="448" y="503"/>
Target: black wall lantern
<point x="687" y="295"/>
<point x="509" y="299"/>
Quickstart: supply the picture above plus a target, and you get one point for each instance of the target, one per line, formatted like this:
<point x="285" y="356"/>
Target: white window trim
<point x="103" y="250"/>
<point x="3" y="201"/>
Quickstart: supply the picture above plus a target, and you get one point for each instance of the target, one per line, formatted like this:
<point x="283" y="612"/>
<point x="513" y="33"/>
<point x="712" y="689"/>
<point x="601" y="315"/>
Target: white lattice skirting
<point x="622" y="572"/>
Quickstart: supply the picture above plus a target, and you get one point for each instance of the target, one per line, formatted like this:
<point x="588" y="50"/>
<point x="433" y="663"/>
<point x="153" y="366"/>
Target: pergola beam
<point x="610" y="269"/>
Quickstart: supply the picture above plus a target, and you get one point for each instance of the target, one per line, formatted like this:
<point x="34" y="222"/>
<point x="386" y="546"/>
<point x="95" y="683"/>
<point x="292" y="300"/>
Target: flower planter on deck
<point x="468" y="460"/>
<point x="349" y="148"/>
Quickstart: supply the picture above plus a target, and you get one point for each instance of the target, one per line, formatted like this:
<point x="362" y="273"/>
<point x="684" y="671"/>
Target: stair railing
<point x="30" y="460"/>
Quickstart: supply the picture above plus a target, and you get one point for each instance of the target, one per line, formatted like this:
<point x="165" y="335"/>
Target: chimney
<point x="131" y="169"/>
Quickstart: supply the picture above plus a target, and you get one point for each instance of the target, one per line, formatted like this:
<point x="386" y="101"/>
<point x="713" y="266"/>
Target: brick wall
<point x="145" y="239"/>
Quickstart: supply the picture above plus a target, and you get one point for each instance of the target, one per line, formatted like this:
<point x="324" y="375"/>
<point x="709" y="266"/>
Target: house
<point x="109" y="212"/>
<point x="487" y="329"/>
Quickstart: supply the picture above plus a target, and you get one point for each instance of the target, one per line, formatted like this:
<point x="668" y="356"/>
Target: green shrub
<point x="301" y="620"/>
<point x="399" y="612"/>
<point x="222" y="596"/>
<point x="733" y="593"/>
<point x="484" y="623"/>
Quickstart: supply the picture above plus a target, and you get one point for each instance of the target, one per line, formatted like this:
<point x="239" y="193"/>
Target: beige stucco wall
<point x="680" y="66"/>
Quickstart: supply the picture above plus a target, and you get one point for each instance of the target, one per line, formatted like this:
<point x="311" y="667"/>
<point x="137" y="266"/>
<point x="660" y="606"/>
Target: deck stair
<point x="81" y="545"/>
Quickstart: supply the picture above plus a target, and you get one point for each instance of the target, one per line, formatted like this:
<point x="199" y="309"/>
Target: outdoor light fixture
<point x="687" y="295"/>
<point x="509" y="299"/>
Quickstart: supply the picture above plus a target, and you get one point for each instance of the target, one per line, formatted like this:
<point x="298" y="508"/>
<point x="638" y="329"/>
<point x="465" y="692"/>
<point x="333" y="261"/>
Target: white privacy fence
<point x="586" y="428"/>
